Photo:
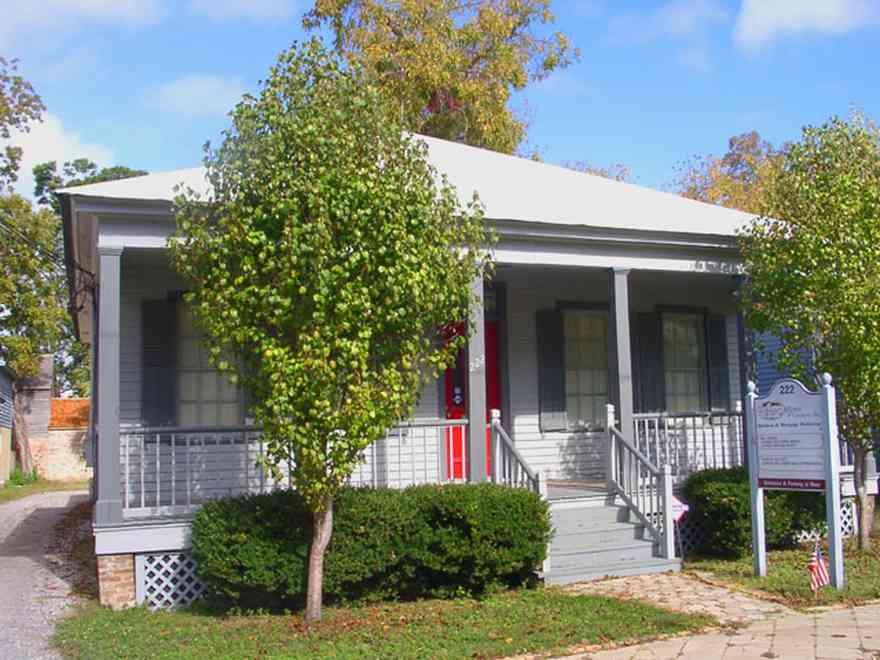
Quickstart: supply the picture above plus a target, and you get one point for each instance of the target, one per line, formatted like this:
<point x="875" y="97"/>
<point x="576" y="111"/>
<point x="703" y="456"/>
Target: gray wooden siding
<point x="5" y="400"/>
<point x="570" y="455"/>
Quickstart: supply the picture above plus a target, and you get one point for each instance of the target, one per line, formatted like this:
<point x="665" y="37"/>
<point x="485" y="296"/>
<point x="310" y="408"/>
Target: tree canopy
<point x="450" y="65"/>
<point x="323" y="269"/>
<point x="813" y="266"/>
<point x="19" y="107"/>
<point x="740" y="179"/>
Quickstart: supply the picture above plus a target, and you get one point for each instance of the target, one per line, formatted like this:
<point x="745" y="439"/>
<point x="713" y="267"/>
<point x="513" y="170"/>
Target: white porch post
<point x="477" y="456"/>
<point x="621" y="353"/>
<point x="108" y="508"/>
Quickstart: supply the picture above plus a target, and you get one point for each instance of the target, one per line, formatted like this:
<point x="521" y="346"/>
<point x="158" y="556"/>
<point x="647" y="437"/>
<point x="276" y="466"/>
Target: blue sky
<point x="145" y="83"/>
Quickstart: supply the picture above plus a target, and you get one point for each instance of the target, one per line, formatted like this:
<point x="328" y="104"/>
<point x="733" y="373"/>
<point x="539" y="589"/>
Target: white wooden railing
<point x="645" y="487"/>
<point x="508" y="465"/>
<point x="689" y="442"/>
<point x="171" y="471"/>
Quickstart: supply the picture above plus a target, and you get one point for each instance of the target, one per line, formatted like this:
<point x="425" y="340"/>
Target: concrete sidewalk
<point x="832" y="634"/>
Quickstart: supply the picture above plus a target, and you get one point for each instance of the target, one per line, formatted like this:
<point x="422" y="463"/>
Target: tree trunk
<point x="864" y="502"/>
<point x="20" y="434"/>
<point x="322" y="529"/>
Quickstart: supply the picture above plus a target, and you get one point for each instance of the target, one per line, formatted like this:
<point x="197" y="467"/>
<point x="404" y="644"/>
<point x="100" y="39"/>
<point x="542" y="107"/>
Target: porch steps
<point x="596" y="537"/>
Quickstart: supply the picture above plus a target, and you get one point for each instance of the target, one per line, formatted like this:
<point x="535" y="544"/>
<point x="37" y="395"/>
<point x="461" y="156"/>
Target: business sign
<point x="790" y="435"/>
<point x="793" y="445"/>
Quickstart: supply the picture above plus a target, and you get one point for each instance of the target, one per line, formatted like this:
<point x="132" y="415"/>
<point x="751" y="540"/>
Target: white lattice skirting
<point x="689" y="536"/>
<point x="166" y="580"/>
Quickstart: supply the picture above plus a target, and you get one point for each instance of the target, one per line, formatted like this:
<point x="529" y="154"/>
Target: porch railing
<point x="171" y="471"/>
<point x="642" y="485"/>
<point x="508" y="465"/>
<point x="689" y="442"/>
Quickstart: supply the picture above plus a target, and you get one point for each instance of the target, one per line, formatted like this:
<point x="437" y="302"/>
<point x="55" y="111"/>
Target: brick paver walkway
<point x="684" y="593"/>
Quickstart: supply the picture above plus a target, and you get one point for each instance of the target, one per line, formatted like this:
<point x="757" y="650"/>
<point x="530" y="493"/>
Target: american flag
<point x="818" y="571"/>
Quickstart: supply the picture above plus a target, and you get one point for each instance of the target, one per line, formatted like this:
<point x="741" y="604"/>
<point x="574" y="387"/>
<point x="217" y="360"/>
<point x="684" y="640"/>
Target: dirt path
<point x="34" y="590"/>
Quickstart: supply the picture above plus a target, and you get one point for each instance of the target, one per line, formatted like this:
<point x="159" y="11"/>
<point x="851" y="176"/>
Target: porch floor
<point x="558" y="489"/>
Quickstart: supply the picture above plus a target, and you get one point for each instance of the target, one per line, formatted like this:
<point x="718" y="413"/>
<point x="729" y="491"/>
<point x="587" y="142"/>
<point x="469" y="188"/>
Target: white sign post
<point x="793" y="445"/>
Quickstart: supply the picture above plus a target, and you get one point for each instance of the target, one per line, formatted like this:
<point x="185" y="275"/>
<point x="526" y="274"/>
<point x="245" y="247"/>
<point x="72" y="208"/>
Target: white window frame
<point x="678" y="367"/>
<point x="587" y="388"/>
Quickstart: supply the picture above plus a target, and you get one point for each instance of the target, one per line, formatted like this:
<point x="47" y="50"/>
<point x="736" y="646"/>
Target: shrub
<point x="423" y="541"/>
<point x="20" y="478"/>
<point x="720" y="502"/>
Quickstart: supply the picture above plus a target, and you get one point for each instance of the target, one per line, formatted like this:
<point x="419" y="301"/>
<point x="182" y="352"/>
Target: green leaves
<point x="814" y="266"/>
<point x="326" y="258"/>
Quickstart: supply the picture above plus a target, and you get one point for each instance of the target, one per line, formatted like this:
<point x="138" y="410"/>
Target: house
<point x="7" y="459"/>
<point x="605" y="293"/>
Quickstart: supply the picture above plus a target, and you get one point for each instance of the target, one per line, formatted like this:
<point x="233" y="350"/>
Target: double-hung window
<point x="684" y="362"/>
<point x="586" y="366"/>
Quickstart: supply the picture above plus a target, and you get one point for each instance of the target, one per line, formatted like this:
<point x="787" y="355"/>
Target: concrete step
<point x="589" y="573"/>
<point x="634" y="551"/>
<point x="586" y="502"/>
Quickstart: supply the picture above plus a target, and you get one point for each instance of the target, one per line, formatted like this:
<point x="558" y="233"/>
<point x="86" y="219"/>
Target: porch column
<point x="477" y="455"/>
<point x="108" y="508"/>
<point x="620" y="362"/>
<point x="745" y="366"/>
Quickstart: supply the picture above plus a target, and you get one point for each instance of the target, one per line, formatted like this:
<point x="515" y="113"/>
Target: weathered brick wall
<point x="61" y="456"/>
<point x="6" y="455"/>
<point x="116" y="588"/>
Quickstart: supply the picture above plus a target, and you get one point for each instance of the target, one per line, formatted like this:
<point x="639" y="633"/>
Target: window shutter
<point x="159" y="361"/>
<point x="551" y="371"/>
<point x="651" y="381"/>
<point x="716" y="358"/>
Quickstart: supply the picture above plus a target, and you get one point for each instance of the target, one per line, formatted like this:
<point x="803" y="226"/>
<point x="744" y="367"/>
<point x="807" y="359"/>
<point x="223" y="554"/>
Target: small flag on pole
<point x="818" y="571"/>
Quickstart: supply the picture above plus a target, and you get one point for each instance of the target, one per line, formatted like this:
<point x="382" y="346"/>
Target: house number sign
<point x="793" y="445"/>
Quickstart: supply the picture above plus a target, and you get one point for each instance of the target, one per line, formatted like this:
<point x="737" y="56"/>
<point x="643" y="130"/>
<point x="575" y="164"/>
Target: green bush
<point x="422" y="541"/>
<point x="20" y="478"/>
<point x="720" y="502"/>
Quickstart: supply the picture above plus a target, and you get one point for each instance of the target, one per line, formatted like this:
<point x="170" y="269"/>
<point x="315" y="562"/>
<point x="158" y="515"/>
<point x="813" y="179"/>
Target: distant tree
<point x="740" y="179"/>
<point x="323" y="269"/>
<point x="19" y="107"/>
<point x="615" y="172"/>
<point x="450" y="65"/>
<point x="813" y="265"/>
<point x="72" y="358"/>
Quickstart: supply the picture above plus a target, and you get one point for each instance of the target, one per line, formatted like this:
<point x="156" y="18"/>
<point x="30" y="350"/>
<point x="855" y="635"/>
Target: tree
<point x="450" y="65"/>
<point x="19" y="106"/>
<point x="615" y="172"/>
<point x="323" y="269"/>
<point x="813" y="265"/>
<point x="72" y="359"/>
<point x="31" y="290"/>
<point x="740" y="179"/>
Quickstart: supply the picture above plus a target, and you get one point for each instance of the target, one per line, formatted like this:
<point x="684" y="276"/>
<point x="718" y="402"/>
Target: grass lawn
<point x="525" y="621"/>
<point x="788" y="580"/>
<point x="9" y="492"/>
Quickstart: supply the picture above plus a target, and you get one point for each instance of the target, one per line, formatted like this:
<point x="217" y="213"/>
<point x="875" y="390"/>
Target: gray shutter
<point x="159" y="361"/>
<point x="551" y="371"/>
<point x="651" y="381"/>
<point x="719" y="376"/>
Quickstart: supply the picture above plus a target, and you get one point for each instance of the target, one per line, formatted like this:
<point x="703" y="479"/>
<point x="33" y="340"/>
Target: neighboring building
<point x="61" y="455"/>
<point x="604" y="292"/>
<point x="7" y="457"/>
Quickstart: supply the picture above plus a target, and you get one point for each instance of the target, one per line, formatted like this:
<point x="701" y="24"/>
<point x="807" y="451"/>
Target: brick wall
<point x="61" y="456"/>
<point x="116" y="588"/>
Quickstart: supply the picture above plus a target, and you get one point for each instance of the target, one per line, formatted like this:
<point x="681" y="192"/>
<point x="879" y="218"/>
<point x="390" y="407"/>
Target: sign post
<point x="793" y="445"/>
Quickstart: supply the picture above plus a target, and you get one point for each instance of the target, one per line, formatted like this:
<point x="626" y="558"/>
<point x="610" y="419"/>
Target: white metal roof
<point x="510" y="188"/>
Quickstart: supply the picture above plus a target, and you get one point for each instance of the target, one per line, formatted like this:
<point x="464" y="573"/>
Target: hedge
<point x="252" y="550"/>
<point x="720" y="500"/>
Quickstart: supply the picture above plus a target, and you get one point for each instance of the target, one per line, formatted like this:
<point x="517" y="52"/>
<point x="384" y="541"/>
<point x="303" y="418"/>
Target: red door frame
<point x="455" y="390"/>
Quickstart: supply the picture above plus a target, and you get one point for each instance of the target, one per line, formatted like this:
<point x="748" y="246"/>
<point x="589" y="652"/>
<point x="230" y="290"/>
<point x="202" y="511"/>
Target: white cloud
<point x="678" y="19"/>
<point x="33" y="19"/>
<point x="198" y="95"/>
<point x="51" y="140"/>
<point x="694" y="57"/>
<point x="760" y="21"/>
<point x="257" y="10"/>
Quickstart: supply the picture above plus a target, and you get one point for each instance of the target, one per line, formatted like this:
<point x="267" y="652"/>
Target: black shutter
<point x="159" y="381"/>
<point x="651" y="380"/>
<point x="716" y="350"/>
<point x="551" y="371"/>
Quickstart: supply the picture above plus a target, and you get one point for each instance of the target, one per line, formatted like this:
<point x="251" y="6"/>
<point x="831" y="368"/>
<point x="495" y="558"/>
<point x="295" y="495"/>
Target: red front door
<point x="455" y="388"/>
